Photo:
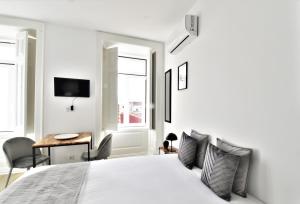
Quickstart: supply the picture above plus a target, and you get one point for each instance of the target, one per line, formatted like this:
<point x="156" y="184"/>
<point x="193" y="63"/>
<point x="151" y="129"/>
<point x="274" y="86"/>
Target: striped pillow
<point x="202" y="142"/>
<point x="219" y="170"/>
<point x="240" y="180"/>
<point x="187" y="150"/>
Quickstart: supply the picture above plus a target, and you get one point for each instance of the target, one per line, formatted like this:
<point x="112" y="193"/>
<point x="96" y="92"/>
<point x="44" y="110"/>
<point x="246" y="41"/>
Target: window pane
<point x="7" y="53"/>
<point x="8" y="95"/>
<point x="131" y="97"/>
<point x="131" y="66"/>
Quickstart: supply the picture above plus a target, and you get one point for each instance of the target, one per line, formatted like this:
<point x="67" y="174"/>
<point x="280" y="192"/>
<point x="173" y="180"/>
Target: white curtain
<point x="110" y="89"/>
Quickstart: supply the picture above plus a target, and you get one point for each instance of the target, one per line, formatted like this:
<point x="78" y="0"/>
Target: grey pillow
<point x="202" y="142"/>
<point x="187" y="150"/>
<point x="219" y="170"/>
<point x="240" y="181"/>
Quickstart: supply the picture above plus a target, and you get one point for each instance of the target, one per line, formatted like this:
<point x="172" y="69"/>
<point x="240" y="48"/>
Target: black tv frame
<point x="56" y="94"/>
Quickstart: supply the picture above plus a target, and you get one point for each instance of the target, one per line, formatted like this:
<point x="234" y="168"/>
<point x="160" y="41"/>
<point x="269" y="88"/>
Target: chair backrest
<point x="18" y="147"/>
<point x="104" y="149"/>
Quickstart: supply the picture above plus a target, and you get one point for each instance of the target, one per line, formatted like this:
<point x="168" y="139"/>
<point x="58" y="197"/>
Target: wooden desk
<point x="49" y="141"/>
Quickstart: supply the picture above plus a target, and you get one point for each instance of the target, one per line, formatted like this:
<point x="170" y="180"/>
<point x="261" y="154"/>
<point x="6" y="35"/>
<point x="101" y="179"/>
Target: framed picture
<point x="182" y="76"/>
<point x="168" y="95"/>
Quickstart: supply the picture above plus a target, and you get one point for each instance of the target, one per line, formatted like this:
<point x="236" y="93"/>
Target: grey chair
<point x="103" y="151"/>
<point x="18" y="152"/>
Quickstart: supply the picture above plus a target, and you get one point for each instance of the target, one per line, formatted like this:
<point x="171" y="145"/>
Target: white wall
<point x="77" y="53"/>
<point x="130" y="142"/>
<point x="71" y="53"/>
<point x="244" y="86"/>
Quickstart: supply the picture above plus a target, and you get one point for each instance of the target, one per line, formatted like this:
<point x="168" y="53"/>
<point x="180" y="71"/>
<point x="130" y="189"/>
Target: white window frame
<point x="145" y="123"/>
<point x="12" y="65"/>
<point x="20" y="100"/>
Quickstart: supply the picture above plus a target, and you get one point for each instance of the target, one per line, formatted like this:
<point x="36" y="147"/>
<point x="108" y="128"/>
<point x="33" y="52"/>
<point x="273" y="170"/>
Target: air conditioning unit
<point x="186" y="35"/>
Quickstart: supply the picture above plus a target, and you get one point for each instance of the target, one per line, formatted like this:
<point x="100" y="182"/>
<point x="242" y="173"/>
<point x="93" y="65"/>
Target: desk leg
<point x="88" y="151"/>
<point x="33" y="157"/>
<point x="49" y="154"/>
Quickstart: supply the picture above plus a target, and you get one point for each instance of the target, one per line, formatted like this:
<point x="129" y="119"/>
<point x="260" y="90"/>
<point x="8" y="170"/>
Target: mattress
<point x="147" y="180"/>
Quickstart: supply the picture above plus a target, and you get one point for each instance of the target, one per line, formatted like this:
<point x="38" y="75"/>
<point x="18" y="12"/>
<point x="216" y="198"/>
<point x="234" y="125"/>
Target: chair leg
<point x="8" y="177"/>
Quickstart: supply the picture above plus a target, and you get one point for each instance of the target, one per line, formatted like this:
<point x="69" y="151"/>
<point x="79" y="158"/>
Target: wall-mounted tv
<point x="71" y="87"/>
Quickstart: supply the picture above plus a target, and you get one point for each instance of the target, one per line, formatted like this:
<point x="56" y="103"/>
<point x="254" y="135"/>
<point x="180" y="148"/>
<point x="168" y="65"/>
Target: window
<point x="132" y="86"/>
<point x="8" y="88"/>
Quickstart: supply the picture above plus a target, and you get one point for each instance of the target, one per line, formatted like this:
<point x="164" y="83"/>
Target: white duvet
<point x="148" y="180"/>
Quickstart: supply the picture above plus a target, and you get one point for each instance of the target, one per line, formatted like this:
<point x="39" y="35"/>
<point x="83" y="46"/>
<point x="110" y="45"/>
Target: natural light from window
<point x="132" y="86"/>
<point x="8" y="87"/>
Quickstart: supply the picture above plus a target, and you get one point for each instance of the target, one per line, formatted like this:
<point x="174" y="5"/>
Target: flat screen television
<point x="71" y="87"/>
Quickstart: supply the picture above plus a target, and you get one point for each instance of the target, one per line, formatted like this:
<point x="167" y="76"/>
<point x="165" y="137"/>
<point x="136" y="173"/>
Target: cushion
<point x="219" y="170"/>
<point x="187" y="150"/>
<point x="202" y="142"/>
<point x="26" y="162"/>
<point x="240" y="181"/>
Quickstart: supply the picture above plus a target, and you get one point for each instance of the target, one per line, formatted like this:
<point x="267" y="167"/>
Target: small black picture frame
<point x="182" y="76"/>
<point x="168" y="95"/>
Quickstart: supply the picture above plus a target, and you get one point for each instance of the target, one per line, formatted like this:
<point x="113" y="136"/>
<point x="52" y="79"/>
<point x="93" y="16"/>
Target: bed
<point x="143" y="179"/>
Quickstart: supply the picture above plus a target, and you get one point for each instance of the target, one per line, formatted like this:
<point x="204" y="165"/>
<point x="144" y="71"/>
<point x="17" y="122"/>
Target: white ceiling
<point x="150" y="19"/>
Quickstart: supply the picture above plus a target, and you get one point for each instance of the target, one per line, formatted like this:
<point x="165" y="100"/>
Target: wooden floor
<point x="12" y="179"/>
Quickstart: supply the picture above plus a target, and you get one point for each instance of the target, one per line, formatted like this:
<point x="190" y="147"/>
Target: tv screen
<point x="71" y="87"/>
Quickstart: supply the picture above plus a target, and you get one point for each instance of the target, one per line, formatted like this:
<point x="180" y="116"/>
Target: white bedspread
<point x="148" y="180"/>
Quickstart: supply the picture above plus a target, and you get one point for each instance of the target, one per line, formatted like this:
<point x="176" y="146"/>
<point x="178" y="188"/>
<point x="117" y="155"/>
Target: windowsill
<point x="133" y="129"/>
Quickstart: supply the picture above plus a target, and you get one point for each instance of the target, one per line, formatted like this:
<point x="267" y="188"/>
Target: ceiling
<point x="149" y="19"/>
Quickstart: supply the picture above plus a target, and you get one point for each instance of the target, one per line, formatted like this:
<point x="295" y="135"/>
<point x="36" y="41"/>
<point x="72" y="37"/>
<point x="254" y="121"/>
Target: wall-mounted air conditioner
<point x="186" y="35"/>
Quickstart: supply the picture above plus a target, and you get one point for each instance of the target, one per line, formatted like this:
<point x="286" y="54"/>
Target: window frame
<point x="145" y="123"/>
<point x="9" y="43"/>
<point x="11" y="66"/>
